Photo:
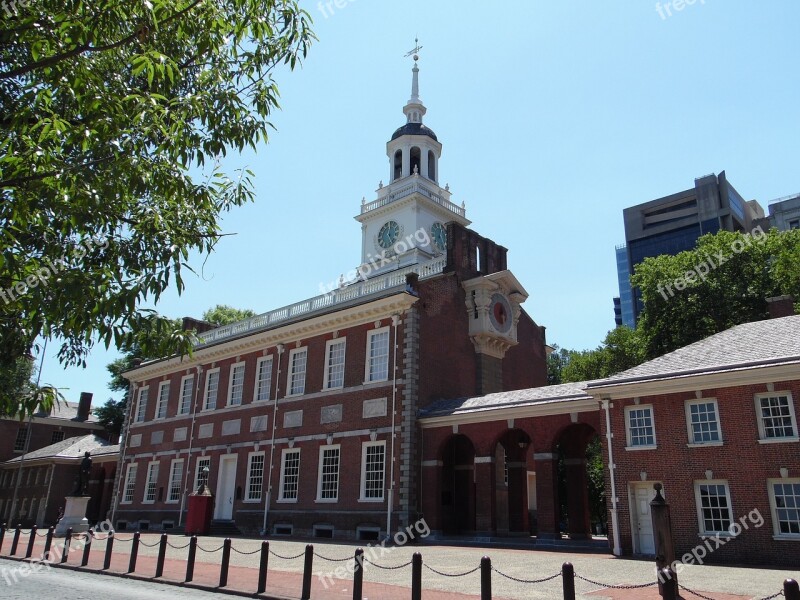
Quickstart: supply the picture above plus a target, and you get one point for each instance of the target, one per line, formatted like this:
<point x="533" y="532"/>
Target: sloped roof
<point x="65" y="410"/>
<point x="71" y="448"/>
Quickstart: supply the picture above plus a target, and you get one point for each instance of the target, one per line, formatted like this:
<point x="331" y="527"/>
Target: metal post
<point x="162" y="553"/>
<point x="48" y="542"/>
<point x="31" y="542"/>
<point x="416" y="576"/>
<point x="134" y="552"/>
<point x="226" y="559"/>
<point x="358" y="574"/>
<point x="86" y="548"/>
<point x="662" y="534"/>
<point x="668" y="584"/>
<point x="309" y="565"/>
<point x="67" y="540"/>
<point x="486" y="578"/>
<point x="190" y="559"/>
<point x="568" y="580"/>
<point x="262" y="568"/>
<point x="15" y="541"/>
<point x="791" y="590"/>
<point x="109" y="550"/>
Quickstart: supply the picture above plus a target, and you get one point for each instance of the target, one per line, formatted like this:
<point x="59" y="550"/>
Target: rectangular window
<point x="794" y="224"/>
<point x="163" y="400"/>
<point x="212" y="387"/>
<point x="255" y="477"/>
<point x="236" y="385"/>
<point x="776" y="418"/>
<point x="373" y="466"/>
<point x="703" y="422"/>
<point x="187" y="389"/>
<point x="263" y="378"/>
<point x="713" y="506"/>
<point x="130" y="483"/>
<point x="378" y="355"/>
<point x="57" y="436"/>
<point x="290" y="475"/>
<point x="328" y="482"/>
<point x="334" y="364"/>
<point x="175" y="476"/>
<point x="297" y="371"/>
<point x="141" y="405"/>
<point x="150" y="486"/>
<point x="639" y="421"/>
<point x="785" y="500"/>
<point x="201" y="478"/>
<point x="22" y="437"/>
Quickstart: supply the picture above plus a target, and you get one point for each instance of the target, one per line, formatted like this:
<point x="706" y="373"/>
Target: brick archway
<point x="511" y="482"/>
<point x="457" y="503"/>
<point x="571" y="445"/>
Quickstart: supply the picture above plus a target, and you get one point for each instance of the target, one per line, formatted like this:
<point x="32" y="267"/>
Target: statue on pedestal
<point x="82" y="481"/>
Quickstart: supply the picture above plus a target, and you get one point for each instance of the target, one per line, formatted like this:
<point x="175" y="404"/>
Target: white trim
<point x="185" y="380"/>
<point x="699" y="506"/>
<point x="363" y="485"/>
<point x="759" y="419"/>
<point x="628" y="444"/>
<point x="256" y="388"/>
<point x="368" y="362"/>
<point x="162" y="402"/>
<point x="690" y="430"/>
<point x="290" y="372"/>
<point x="231" y="373"/>
<point x="151" y="479"/>
<point x="322" y="450"/>
<point x="774" y="509"/>
<point x="206" y="406"/>
<point x="171" y="481"/>
<point x="247" y="498"/>
<point x="281" y="486"/>
<point x="327" y="367"/>
<point x="141" y="411"/>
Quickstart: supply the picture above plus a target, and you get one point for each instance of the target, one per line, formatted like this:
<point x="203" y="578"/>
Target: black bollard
<point x="226" y="559"/>
<point x="190" y="559"/>
<point x="262" y="568"/>
<point x="48" y="542"/>
<point x="791" y="590"/>
<point x="86" y="548"/>
<point x="668" y="583"/>
<point x="307" y="568"/>
<point x="15" y="541"/>
<point x="134" y="552"/>
<point x="67" y="540"/>
<point x="486" y="578"/>
<point x="416" y="576"/>
<point x="568" y="580"/>
<point x="31" y="542"/>
<point x="358" y="574"/>
<point x="162" y="553"/>
<point x="109" y="550"/>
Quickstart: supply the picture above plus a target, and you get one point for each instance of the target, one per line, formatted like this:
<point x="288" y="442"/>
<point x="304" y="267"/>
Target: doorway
<point x="642" y="521"/>
<point x="226" y="488"/>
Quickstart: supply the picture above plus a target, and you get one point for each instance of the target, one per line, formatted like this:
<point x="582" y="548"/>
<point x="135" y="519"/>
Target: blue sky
<point x="554" y="116"/>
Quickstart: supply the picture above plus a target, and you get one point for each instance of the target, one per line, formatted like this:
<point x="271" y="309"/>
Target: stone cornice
<point x="490" y="414"/>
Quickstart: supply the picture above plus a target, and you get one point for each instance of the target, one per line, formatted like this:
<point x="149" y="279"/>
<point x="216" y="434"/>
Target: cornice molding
<point x="513" y="412"/>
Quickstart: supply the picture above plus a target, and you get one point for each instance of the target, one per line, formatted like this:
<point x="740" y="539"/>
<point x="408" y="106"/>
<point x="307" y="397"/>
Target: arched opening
<point x="431" y="165"/>
<point x="416" y="158"/>
<point x="398" y="165"/>
<point x="511" y="482"/>
<point x="580" y="481"/>
<point x="458" y="485"/>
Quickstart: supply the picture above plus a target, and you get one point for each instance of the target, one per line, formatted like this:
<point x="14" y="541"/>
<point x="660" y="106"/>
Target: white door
<point x="644" y="541"/>
<point x="226" y="488"/>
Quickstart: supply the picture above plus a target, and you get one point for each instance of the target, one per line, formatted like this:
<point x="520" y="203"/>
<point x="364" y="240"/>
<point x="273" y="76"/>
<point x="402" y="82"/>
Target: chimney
<point x="84" y="405"/>
<point x="780" y="306"/>
<point x="198" y="325"/>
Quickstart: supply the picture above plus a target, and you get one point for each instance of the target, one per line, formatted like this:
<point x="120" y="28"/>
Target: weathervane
<point x="415" y="52"/>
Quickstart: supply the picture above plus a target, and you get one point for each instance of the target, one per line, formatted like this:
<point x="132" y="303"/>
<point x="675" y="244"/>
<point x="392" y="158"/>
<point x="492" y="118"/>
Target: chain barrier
<point x="403" y="566"/>
<point x="698" y="594"/>
<point x="257" y="550"/>
<point x="286" y="557"/>
<point x="773" y="596"/>
<point x="619" y="586"/>
<point x="451" y="574"/>
<point x="41" y="534"/>
<point x="171" y="545"/>
<point x="119" y="539"/>
<point x="146" y="545"/>
<point x="199" y="547"/>
<point x="531" y="581"/>
<point x="346" y="558"/>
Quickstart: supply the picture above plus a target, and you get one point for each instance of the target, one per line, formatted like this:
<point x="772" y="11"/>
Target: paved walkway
<point x="387" y="574"/>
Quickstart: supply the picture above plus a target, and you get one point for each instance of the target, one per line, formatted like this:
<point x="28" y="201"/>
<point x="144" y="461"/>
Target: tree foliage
<point x="620" y="350"/>
<point x="723" y="282"/>
<point x="222" y="314"/>
<point x="114" y="117"/>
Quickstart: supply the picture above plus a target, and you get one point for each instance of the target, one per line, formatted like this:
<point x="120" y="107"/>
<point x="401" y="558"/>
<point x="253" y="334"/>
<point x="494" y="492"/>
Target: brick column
<point x="577" y="498"/>
<point x="431" y="500"/>
<point x="547" y="494"/>
<point x="484" y="494"/>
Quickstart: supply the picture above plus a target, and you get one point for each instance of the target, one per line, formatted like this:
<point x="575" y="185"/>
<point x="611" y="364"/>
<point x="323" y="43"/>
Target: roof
<point x="756" y="344"/>
<point x="65" y="410"/>
<point x="550" y="394"/>
<point x="414" y="129"/>
<point x="70" y="448"/>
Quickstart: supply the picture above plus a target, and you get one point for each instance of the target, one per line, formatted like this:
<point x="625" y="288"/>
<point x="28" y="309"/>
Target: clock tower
<point x="406" y="223"/>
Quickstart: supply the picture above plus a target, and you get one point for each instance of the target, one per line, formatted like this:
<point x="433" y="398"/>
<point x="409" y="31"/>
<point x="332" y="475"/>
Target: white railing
<point x="307" y="308"/>
<point x="416" y="185"/>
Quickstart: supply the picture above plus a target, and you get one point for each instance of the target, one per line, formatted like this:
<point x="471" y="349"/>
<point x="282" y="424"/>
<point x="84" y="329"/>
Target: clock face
<point x="500" y="313"/>
<point x="439" y="236"/>
<point x="388" y="234"/>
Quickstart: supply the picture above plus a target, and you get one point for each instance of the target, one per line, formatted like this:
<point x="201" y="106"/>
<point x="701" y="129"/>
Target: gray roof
<point x="760" y="343"/>
<point x="65" y="410"/>
<point x="71" y="448"/>
<point x="549" y="394"/>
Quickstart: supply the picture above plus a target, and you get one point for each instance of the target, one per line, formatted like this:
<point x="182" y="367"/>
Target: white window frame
<point x="202" y="461"/>
<point x="187" y="391"/>
<point x="776" y="529"/>
<point x="129" y="489"/>
<point x="699" y="505"/>
<point x="237" y="401"/>
<point x="628" y="410"/>
<point x="368" y="374"/>
<point x="282" y="487"/>
<point x="263" y="364"/>
<point x="291" y="373"/>
<point x="206" y="390"/>
<point x="329" y="345"/>
<point x="320" y="468"/>
<point x="173" y="471"/>
<point x="141" y="407"/>
<point x="162" y="404"/>
<point x="364" y="450"/>
<point x="248" y="497"/>
<point x="688" y="409"/>
<point x="151" y="483"/>
<point x="762" y="436"/>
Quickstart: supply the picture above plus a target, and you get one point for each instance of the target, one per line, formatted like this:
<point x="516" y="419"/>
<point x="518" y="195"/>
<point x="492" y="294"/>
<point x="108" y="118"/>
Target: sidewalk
<point x="387" y="573"/>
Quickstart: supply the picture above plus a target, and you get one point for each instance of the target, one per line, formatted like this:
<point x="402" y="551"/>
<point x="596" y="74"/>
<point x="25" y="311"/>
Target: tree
<point x="556" y="361"/>
<point x="114" y="118"/>
<point x="222" y="314"/>
<point x="620" y="350"/>
<point x="20" y="395"/>
<point x="723" y="282"/>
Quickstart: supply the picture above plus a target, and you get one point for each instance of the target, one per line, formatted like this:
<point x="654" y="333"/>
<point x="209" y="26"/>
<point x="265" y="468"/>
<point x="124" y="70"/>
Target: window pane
<point x="175" y="481"/>
<point x="290" y="475"/>
<point x="255" y="478"/>
<point x="142" y="405"/>
<point x="130" y="483"/>
<point x="329" y="478"/>
<point x="705" y="425"/>
<point x="212" y="387"/>
<point x="297" y="376"/>
<point x="787" y="504"/>
<point x="714" y="508"/>
<point x="379" y="356"/>
<point x="335" y="364"/>
<point x="374" y="461"/>
<point x="776" y="417"/>
<point x="640" y="423"/>
<point x="237" y="385"/>
<point x="187" y="387"/>
<point x="163" y="400"/>
<point x="263" y="380"/>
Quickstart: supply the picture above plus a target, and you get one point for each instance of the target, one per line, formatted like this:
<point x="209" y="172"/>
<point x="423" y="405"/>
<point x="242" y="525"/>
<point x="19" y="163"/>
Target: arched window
<point x="398" y="165"/>
<point x="416" y="158"/>
<point x="431" y="165"/>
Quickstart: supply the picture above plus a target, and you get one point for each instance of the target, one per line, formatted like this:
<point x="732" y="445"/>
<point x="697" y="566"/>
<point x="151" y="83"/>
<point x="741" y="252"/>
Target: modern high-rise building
<point x="784" y="213"/>
<point x="672" y="224"/>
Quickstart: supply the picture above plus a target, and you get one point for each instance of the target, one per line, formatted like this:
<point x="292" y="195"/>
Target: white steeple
<point x="414" y="108"/>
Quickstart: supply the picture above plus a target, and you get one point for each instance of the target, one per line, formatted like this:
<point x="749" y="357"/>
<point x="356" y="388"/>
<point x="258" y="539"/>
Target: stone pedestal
<point x="74" y="515"/>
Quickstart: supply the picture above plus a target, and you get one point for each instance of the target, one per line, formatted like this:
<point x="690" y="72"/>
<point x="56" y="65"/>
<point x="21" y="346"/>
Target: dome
<point x="414" y="129"/>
